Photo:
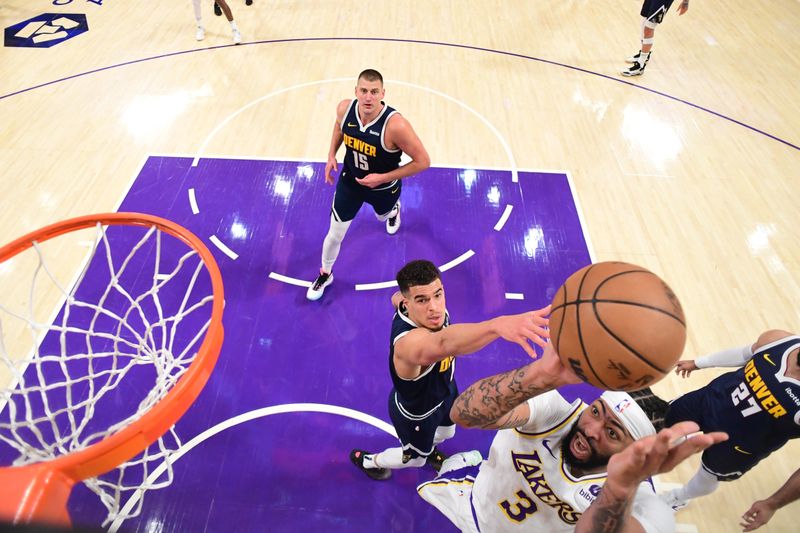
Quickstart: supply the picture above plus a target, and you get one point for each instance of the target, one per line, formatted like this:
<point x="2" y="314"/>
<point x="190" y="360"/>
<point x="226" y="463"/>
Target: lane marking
<point x="290" y="281"/>
<point x="240" y="419"/>
<point x="503" y="218"/>
<point x="193" y="201"/>
<point x="457" y="261"/>
<point x="221" y="245"/>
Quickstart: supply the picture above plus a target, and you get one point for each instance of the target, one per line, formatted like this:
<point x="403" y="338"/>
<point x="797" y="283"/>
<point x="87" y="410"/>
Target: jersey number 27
<point x="742" y="395"/>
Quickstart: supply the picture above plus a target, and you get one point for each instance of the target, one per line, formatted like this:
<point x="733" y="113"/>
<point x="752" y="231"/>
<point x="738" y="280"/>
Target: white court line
<point x="373" y="286"/>
<point x="290" y="281"/>
<point x="379" y="284"/>
<point x="193" y="201"/>
<point x="586" y="238"/>
<point x="247" y="417"/>
<point x="251" y="104"/>
<point x="504" y="218"/>
<point x="500" y="138"/>
<point x="221" y="245"/>
<point x="515" y="296"/>
<point x="457" y="261"/>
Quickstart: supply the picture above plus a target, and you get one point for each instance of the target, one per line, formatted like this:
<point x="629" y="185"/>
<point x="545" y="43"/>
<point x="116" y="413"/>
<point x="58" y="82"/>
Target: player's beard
<point x="594" y="461"/>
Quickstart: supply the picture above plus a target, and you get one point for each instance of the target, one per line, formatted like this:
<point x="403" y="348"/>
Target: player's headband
<point x="629" y="413"/>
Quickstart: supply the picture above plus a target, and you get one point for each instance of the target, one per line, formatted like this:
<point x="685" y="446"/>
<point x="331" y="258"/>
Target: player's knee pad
<point x="337" y="230"/>
<point x="648" y="23"/>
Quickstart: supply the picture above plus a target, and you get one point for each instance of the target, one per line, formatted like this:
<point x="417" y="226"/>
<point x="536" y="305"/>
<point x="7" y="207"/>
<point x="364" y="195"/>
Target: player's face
<point x="369" y="95"/>
<point x="596" y="436"/>
<point x="426" y="306"/>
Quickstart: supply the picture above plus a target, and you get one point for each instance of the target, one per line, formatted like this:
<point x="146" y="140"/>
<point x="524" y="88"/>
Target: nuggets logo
<point x="45" y="30"/>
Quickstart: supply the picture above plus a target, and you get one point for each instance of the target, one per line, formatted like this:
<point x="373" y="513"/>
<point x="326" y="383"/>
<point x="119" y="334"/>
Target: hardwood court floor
<point x="690" y="170"/>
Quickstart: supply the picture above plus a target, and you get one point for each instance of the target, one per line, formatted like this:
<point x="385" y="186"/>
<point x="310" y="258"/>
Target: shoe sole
<point x="314" y="296"/>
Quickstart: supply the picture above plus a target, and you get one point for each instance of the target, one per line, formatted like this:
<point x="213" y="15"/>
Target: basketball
<point x="617" y="326"/>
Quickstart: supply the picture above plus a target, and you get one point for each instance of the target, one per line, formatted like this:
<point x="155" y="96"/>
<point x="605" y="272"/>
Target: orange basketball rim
<point x="39" y="492"/>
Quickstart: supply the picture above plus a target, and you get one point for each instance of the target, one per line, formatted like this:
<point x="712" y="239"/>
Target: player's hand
<point x="683" y="7"/>
<point x="372" y="180"/>
<point x="658" y="453"/>
<point x="685" y="367"/>
<point x="553" y="371"/>
<point x="530" y="326"/>
<point x="758" y="515"/>
<point x="330" y="166"/>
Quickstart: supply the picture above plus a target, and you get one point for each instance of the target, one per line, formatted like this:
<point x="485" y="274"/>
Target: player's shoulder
<point x="342" y="107"/>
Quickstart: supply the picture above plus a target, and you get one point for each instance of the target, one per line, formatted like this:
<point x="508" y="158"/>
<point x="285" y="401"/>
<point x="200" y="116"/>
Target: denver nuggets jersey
<point x="758" y="405"/>
<point x="420" y="396"/>
<point x="524" y="485"/>
<point x="366" y="151"/>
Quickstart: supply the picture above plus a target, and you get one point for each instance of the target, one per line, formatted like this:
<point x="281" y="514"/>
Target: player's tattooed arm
<point x="500" y="401"/>
<point x="609" y="513"/>
<point x="497" y="402"/>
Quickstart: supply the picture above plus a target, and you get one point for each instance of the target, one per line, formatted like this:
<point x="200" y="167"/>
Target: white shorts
<point x="451" y="497"/>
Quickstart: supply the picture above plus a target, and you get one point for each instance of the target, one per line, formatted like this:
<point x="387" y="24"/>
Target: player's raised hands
<point x="658" y="453"/>
<point x="685" y="367"/>
<point x="530" y="326"/>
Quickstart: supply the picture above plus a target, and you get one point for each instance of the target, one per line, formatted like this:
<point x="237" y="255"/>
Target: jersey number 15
<point x="361" y="161"/>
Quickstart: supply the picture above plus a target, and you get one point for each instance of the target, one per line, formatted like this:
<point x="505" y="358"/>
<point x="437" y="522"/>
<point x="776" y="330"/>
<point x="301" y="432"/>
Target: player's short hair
<point x="417" y="272"/>
<point x="371" y="75"/>
<point x="654" y="407"/>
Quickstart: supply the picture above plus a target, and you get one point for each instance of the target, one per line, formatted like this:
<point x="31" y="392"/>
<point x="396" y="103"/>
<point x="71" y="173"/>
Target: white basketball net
<point x="127" y="329"/>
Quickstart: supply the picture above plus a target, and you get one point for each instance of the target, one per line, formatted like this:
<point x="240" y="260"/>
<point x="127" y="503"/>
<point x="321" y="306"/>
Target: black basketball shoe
<point x="378" y="474"/>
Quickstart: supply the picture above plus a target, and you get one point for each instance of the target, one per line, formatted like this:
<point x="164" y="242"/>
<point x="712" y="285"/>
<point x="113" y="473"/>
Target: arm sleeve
<point x="732" y="357"/>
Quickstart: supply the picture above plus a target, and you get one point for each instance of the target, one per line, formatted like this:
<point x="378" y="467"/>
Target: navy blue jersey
<point x="758" y="405"/>
<point x="366" y="152"/>
<point x="419" y="397"/>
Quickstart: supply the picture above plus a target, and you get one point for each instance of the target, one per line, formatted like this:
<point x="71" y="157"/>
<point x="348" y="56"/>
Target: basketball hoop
<point x="126" y="335"/>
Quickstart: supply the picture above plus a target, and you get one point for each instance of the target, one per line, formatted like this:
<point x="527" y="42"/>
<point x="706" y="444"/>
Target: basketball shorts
<point x="727" y="460"/>
<point x="350" y="196"/>
<point x="452" y="495"/>
<point x="417" y="435"/>
<point x="654" y="10"/>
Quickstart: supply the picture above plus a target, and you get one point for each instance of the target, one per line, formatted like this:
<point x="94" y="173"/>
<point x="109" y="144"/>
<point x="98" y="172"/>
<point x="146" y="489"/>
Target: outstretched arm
<point x="500" y="401"/>
<point x="422" y="347"/>
<point x="656" y="454"/>
<point x="732" y="357"/>
<point x="761" y="511"/>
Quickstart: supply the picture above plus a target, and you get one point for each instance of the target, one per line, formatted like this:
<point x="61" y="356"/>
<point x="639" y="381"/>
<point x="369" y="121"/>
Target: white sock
<point x="391" y="458"/>
<point x="233" y="25"/>
<point x="333" y="243"/>
<point x="701" y="484"/>
<point x="197" y="13"/>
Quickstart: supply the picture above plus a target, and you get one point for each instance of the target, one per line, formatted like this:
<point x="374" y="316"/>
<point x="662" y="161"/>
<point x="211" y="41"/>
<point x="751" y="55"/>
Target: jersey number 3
<point x="361" y="161"/>
<point x="520" y="510"/>
<point x="743" y="396"/>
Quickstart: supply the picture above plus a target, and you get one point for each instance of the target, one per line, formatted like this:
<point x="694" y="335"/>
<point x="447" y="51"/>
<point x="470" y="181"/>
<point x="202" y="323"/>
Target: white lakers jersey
<point x="524" y="485"/>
